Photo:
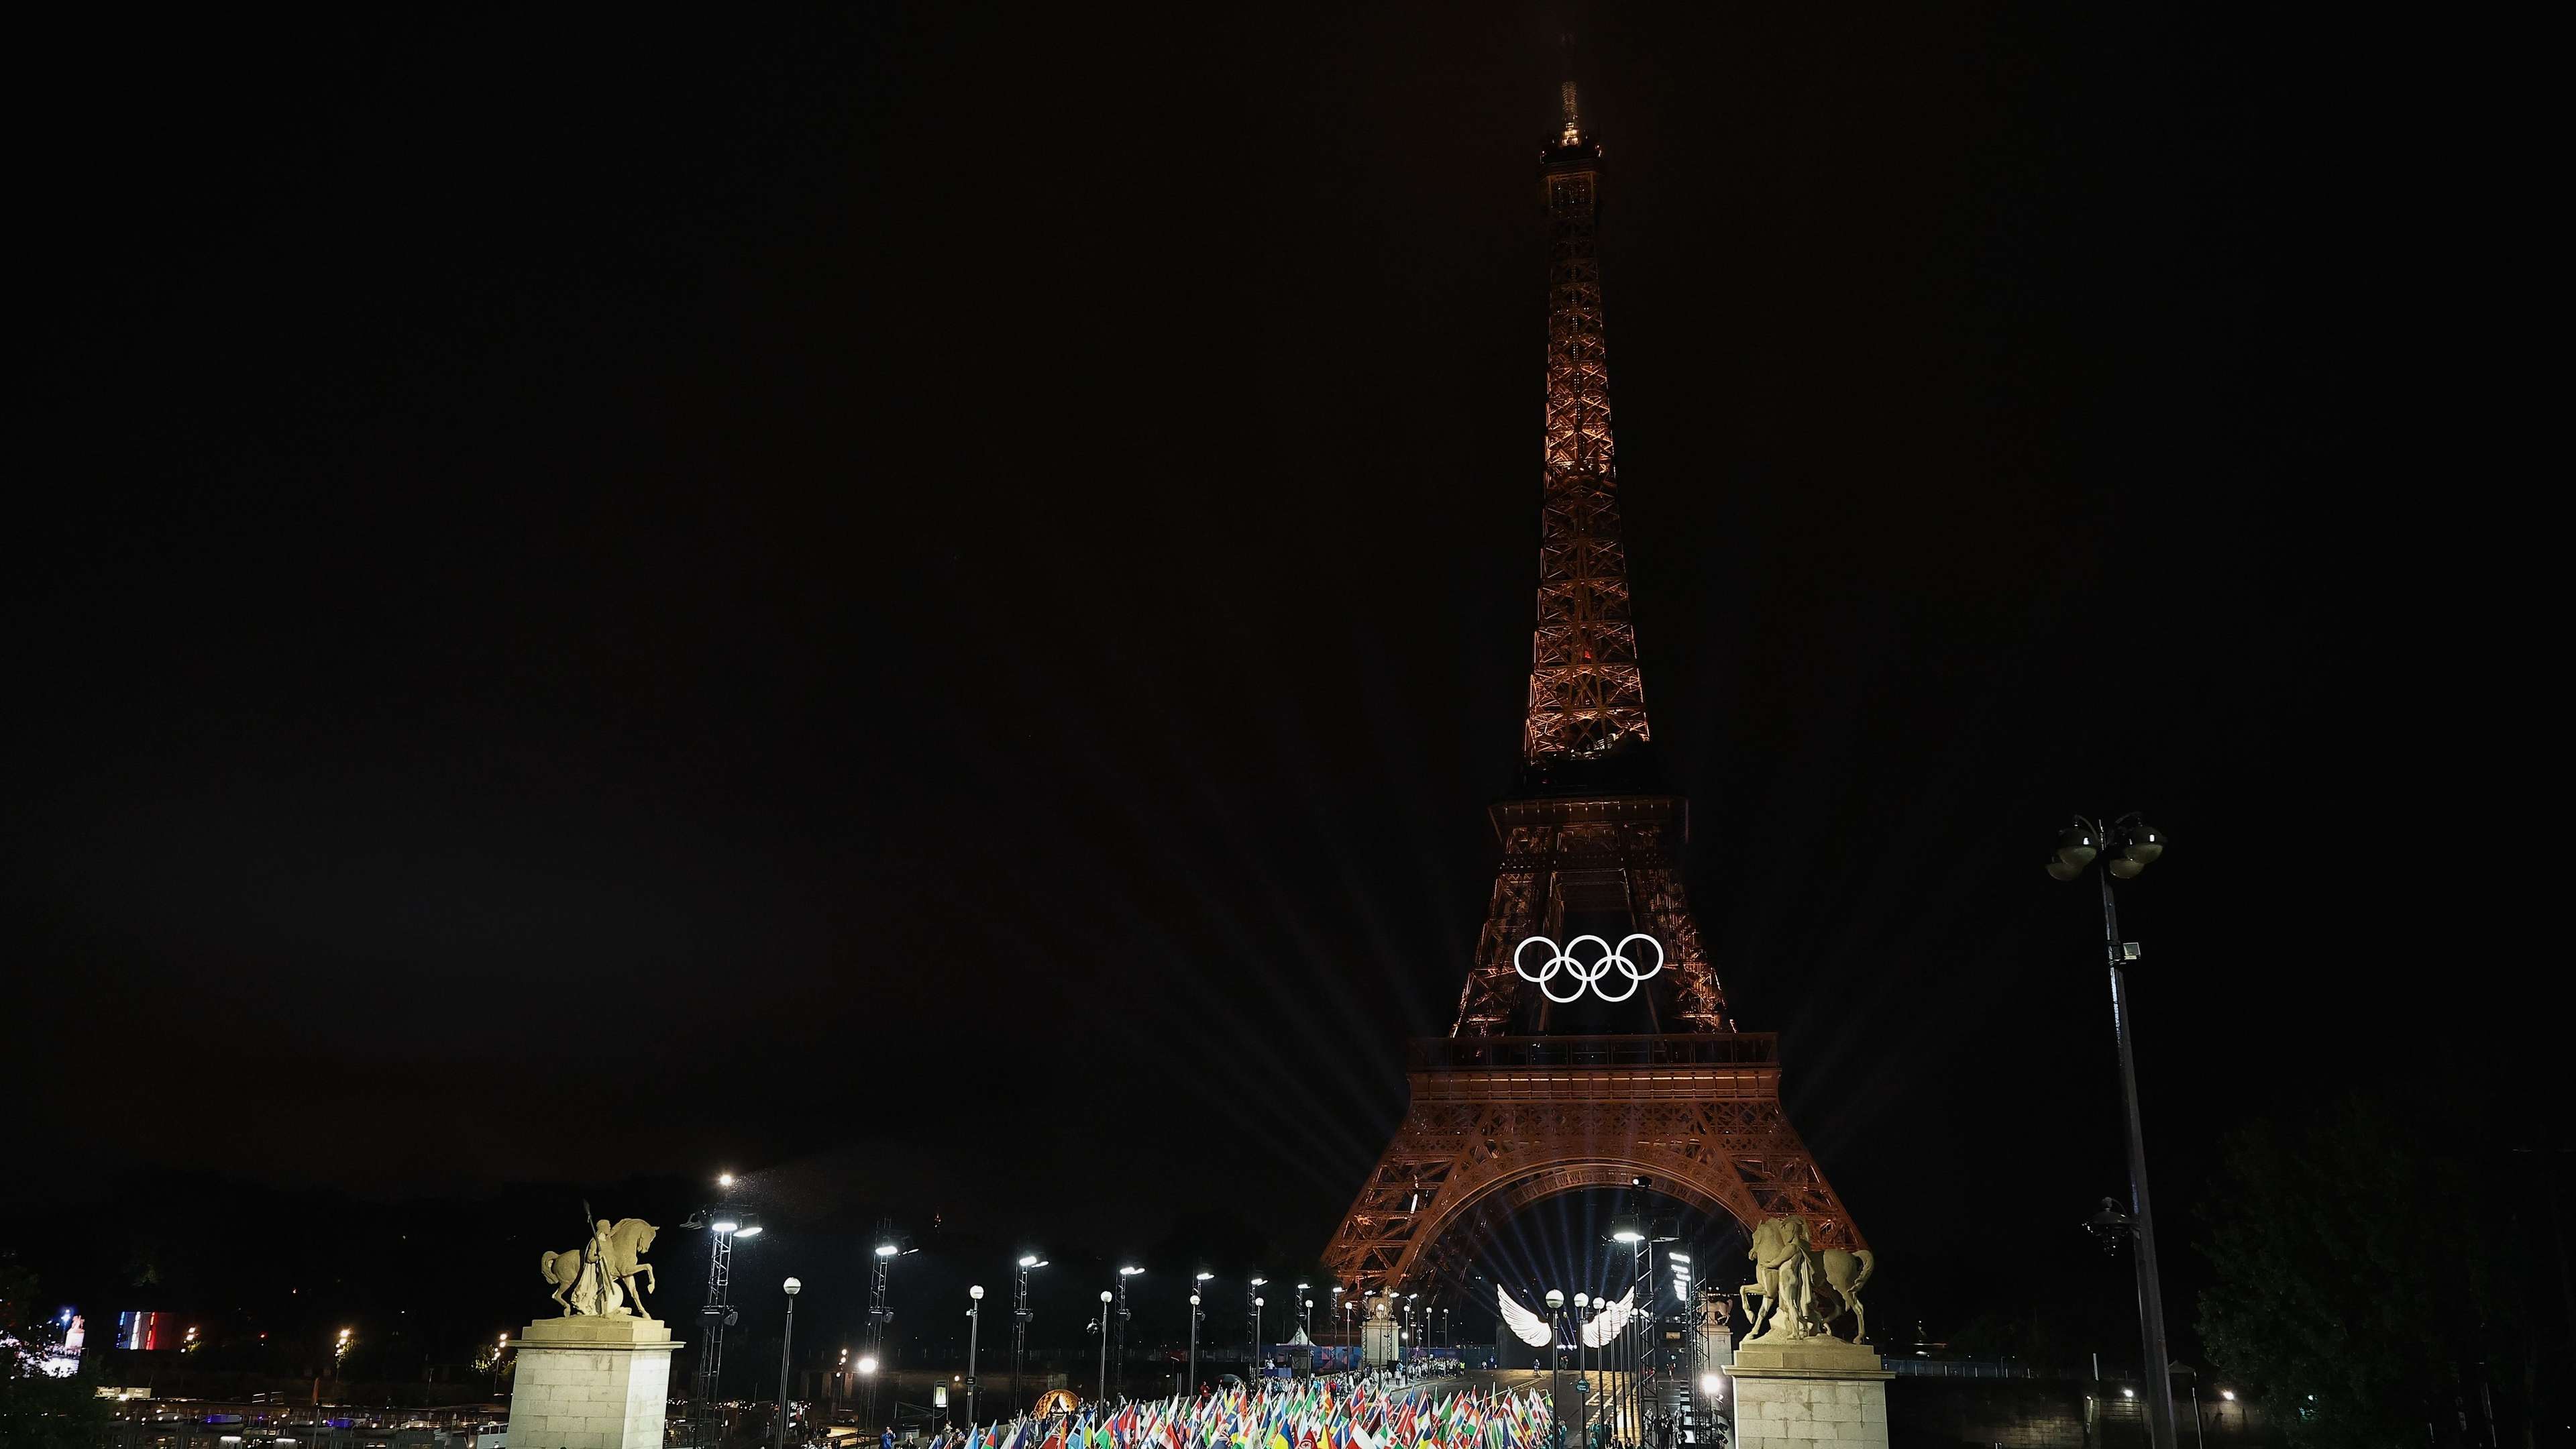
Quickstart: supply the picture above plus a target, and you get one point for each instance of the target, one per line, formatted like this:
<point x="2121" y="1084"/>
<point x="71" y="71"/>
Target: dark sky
<point x="945" y="589"/>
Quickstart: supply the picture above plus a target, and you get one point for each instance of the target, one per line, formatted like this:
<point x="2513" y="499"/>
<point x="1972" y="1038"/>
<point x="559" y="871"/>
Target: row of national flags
<point x="1343" y="1412"/>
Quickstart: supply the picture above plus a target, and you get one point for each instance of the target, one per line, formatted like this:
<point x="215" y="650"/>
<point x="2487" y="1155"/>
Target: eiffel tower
<point x="1539" y="1090"/>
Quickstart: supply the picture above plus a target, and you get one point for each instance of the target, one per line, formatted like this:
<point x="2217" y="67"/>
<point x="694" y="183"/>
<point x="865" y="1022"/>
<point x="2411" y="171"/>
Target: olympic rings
<point x="1561" y="959"/>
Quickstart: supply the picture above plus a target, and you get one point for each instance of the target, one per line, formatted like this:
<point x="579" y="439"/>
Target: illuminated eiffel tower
<point x="1550" y="1084"/>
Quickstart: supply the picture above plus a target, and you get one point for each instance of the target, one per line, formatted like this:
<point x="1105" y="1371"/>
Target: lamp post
<point x="1306" y="1316"/>
<point x="1124" y="1274"/>
<point x="1195" y="1318"/>
<point x="2134" y="845"/>
<point x="1556" y="1365"/>
<point x="1020" y="1322"/>
<point x="786" y="1347"/>
<point x="1582" y="1320"/>
<point x="974" y="1327"/>
<point x="1105" y="1296"/>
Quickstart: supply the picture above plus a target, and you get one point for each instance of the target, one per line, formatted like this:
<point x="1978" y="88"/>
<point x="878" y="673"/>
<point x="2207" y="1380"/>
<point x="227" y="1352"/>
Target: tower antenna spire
<point x="1572" y="131"/>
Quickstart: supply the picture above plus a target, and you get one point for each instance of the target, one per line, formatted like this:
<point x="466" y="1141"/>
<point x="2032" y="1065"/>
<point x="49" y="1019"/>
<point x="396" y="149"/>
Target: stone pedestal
<point x="1812" y="1393"/>
<point x="1377" y="1342"/>
<point x="591" y="1383"/>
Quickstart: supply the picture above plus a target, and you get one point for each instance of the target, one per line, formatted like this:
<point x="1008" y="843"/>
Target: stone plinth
<point x="1814" y="1393"/>
<point x="591" y="1383"/>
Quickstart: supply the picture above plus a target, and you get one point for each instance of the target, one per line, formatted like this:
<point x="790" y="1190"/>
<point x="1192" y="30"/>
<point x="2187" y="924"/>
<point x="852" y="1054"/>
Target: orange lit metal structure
<point x="1529" y="1098"/>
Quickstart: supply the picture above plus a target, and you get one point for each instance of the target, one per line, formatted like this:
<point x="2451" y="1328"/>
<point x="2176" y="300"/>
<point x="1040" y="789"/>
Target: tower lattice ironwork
<point x="1531" y="1097"/>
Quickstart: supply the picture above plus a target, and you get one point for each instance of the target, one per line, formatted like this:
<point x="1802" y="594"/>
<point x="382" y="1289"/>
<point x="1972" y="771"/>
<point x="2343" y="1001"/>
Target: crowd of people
<point x="1382" y="1408"/>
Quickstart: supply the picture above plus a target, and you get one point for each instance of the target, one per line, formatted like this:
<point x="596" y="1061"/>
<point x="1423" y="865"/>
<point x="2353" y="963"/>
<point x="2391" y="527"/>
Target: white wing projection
<point x="1528" y="1327"/>
<point x="1611" y="1321"/>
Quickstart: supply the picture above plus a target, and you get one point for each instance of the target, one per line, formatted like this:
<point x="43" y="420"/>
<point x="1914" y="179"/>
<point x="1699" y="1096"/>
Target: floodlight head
<point x="888" y="1250"/>
<point x="1627" y="1229"/>
<point x="1129" y="1272"/>
<point x="1711" y="1383"/>
<point x="793" y="1287"/>
<point x="724" y="1179"/>
<point x="868" y="1363"/>
<point x="1203" y="1277"/>
<point x="1032" y="1260"/>
<point x="750" y="1226"/>
<point x="725" y="1224"/>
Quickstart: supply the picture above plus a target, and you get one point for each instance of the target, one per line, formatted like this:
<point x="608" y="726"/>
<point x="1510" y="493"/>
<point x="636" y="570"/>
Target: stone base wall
<point x="578" y="1386"/>
<point x="1808" y="1413"/>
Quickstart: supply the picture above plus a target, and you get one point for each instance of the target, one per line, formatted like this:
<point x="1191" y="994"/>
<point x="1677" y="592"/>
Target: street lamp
<point x="1124" y="1274"/>
<point x="2133" y="845"/>
<point x="1020" y="1318"/>
<point x="339" y="1351"/>
<point x="974" y="1327"/>
<point x="786" y="1346"/>
<point x="1556" y="1364"/>
<point x="1105" y="1296"/>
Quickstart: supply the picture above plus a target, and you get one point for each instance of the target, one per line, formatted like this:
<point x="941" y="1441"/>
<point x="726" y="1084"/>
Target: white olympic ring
<point x="1561" y="959"/>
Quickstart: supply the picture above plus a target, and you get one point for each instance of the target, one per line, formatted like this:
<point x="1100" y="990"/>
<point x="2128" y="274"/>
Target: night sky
<point x="925" y="605"/>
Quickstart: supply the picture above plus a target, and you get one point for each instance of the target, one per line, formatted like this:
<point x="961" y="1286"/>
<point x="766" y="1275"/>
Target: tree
<point x="37" y="1410"/>
<point x="2356" y="1259"/>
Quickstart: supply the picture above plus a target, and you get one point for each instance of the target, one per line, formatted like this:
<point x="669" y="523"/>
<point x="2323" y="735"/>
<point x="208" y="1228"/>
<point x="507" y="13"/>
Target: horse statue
<point x="1800" y="1290"/>
<point x="593" y="1274"/>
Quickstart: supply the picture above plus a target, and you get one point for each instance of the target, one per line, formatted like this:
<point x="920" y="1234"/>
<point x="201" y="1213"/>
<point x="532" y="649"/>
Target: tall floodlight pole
<point x="1630" y="1231"/>
<point x="1124" y="1274"/>
<point x="1252" y="1308"/>
<point x="2134" y="846"/>
<point x="786" y="1352"/>
<point x="1196" y="1318"/>
<point x="1020" y="1324"/>
<point x="880" y="1313"/>
<point x="716" y="1313"/>
<point x="974" y="1327"/>
<point x="1105" y="1296"/>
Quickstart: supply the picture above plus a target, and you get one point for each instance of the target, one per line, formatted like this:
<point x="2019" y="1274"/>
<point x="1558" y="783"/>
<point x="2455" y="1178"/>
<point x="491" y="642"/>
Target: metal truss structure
<point x="1506" y="1113"/>
<point x="1585" y="694"/>
<point x="1589" y="855"/>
